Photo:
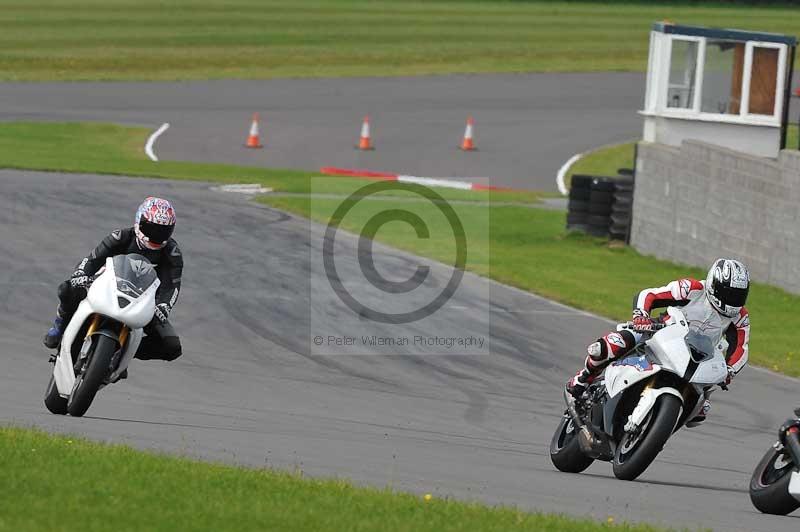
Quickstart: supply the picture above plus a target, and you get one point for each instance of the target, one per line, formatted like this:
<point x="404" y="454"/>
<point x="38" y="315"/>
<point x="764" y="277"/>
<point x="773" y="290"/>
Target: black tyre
<point x="600" y="220"/>
<point x="635" y="454"/>
<point x="600" y="208"/>
<point x="579" y="194"/>
<point x="621" y="209"/>
<point x="54" y="402"/>
<point x="581" y="181"/>
<point x="623" y="199"/>
<point x="565" y="453"/>
<point x="577" y="218"/>
<point x="601" y="197"/>
<point x="603" y="184"/>
<point x="618" y="233"/>
<point x="769" y="485"/>
<point x="620" y="219"/>
<point x="87" y="384"/>
<point x="578" y="206"/>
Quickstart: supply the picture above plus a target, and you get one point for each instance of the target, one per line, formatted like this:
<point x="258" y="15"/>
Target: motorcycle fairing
<point x="623" y="373"/>
<point x="794" y="485"/>
<point x="103" y="298"/>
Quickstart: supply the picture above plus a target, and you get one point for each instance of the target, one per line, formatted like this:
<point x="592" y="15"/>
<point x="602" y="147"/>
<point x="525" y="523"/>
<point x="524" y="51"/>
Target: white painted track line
<point x="148" y="147"/>
<point x="562" y="172"/>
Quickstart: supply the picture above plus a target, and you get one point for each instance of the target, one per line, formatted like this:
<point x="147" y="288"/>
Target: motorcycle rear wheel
<point x="52" y="400"/>
<point x="769" y="486"/>
<point x="630" y="462"/>
<point x="87" y="384"/>
<point x="565" y="453"/>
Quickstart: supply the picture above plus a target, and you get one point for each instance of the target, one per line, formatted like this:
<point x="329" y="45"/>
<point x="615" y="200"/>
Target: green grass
<point x="793" y="137"/>
<point x="603" y="161"/>
<point x="522" y="246"/>
<point x="69" y="484"/>
<point x="204" y="39"/>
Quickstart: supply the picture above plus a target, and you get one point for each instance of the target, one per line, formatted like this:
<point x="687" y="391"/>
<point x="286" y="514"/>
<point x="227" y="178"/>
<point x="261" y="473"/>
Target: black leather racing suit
<point x="161" y="342"/>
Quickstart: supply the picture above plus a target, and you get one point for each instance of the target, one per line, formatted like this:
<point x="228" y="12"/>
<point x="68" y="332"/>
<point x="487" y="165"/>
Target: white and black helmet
<point x="727" y="286"/>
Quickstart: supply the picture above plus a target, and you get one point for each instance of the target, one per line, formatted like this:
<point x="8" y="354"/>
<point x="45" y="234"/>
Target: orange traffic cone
<point x="467" y="144"/>
<point x="253" y="140"/>
<point x="365" y="142"/>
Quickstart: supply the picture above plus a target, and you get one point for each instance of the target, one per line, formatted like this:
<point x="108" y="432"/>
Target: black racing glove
<point x="81" y="281"/>
<point x="162" y="313"/>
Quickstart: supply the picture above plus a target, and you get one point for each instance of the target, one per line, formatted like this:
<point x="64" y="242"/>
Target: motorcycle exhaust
<point x="586" y="438"/>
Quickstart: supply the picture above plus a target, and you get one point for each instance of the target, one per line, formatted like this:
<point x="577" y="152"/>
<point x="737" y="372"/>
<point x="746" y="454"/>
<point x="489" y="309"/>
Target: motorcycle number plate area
<point x="628" y="371"/>
<point x="794" y="485"/>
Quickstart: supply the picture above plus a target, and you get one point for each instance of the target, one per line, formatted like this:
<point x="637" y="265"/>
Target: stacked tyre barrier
<point x="600" y="206"/>
<point x="622" y="209"/>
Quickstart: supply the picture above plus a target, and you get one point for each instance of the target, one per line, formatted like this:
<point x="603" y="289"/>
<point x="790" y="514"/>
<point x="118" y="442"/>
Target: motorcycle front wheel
<point x="565" y="453"/>
<point x="769" y="485"/>
<point x="88" y="382"/>
<point x="636" y="452"/>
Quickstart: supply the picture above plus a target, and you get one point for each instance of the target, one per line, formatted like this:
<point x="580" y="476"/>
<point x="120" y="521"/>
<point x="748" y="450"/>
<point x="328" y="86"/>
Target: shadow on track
<point x="675" y="484"/>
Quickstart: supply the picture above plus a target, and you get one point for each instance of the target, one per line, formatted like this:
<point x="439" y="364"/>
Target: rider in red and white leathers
<point x="714" y="308"/>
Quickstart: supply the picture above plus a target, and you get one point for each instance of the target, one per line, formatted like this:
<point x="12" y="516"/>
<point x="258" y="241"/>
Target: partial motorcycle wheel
<point x="565" y="453"/>
<point x="87" y="384"/>
<point x="769" y="485"/>
<point x="52" y="400"/>
<point x="635" y="453"/>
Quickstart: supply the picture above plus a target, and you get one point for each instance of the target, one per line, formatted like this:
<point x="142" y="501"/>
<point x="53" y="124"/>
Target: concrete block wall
<point x="698" y="202"/>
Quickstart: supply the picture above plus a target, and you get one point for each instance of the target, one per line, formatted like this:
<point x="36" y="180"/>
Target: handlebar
<point x="653" y="327"/>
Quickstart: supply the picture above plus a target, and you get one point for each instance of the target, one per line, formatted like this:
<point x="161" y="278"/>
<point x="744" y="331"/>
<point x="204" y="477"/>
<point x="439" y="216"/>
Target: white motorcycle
<point x="103" y="334"/>
<point x="775" y="484"/>
<point x="627" y="416"/>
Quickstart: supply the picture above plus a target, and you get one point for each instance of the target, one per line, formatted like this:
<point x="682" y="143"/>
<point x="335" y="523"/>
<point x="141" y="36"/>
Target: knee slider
<point x="64" y="290"/>
<point x="597" y="350"/>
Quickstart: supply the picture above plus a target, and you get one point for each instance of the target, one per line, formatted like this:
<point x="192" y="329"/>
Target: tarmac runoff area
<point x="252" y="388"/>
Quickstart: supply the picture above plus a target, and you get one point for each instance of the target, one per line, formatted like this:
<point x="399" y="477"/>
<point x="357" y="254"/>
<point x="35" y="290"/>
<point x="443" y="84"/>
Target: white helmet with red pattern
<point x="154" y="223"/>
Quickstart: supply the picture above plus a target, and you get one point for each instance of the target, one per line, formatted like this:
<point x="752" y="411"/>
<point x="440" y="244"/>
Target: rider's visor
<point x="733" y="297"/>
<point x="156" y="233"/>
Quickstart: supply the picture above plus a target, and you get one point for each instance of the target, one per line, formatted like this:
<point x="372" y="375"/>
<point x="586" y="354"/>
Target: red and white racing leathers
<point x="702" y="317"/>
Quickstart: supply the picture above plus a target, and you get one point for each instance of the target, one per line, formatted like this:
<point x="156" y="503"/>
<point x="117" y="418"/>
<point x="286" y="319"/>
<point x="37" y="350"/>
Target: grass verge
<point x="522" y="246"/>
<point x="157" y="40"/>
<point x="165" y="493"/>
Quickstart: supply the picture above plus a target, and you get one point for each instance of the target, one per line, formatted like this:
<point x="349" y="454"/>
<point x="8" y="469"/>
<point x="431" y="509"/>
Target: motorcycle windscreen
<point x="135" y="274"/>
<point x="701" y="345"/>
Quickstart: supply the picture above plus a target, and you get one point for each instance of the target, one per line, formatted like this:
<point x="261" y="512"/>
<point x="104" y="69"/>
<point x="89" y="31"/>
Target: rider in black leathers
<point x="150" y="237"/>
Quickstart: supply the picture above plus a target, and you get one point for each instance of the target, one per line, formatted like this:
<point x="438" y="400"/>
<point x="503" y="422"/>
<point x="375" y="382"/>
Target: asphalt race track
<point x="527" y="125"/>
<point x="251" y="390"/>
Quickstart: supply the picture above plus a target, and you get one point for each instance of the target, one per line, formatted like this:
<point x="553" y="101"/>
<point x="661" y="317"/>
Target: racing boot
<point x="53" y="337"/>
<point x="701" y="416"/>
<point x="578" y="384"/>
